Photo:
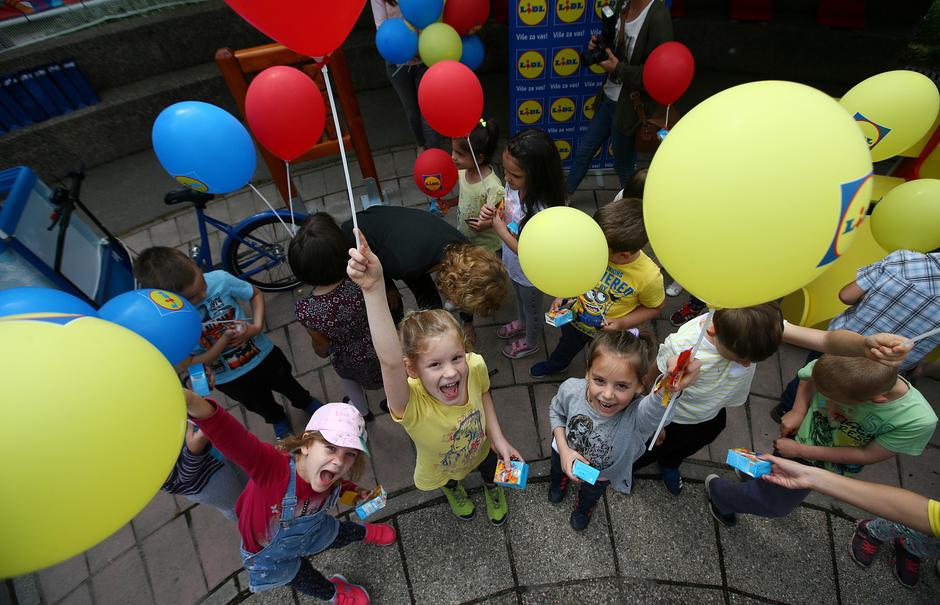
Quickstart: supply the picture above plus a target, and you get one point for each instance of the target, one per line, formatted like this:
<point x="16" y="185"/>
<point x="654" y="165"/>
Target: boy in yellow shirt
<point x="629" y="293"/>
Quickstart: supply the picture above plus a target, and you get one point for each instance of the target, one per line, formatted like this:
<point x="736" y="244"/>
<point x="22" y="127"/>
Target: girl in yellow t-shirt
<point x="438" y="392"/>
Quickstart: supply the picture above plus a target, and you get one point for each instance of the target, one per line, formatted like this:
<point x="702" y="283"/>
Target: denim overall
<point x="277" y="563"/>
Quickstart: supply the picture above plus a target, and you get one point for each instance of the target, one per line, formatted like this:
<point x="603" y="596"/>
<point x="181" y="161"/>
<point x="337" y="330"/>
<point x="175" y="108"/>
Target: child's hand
<point x="196" y="406"/>
<point x="556" y="304"/>
<point x="196" y="441"/>
<point x="790" y="423"/>
<point x="689" y="375"/>
<point x="888" y="349"/>
<point x="240" y="332"/>
<point x="363" y="494"/>
<point x="507" y="452"/>
<point x="787" y="447"/>
<point x="487" y="212"/>
<point x="364" y="267"/>
<point x="788" y="473"/>
<point x="478" y="225"/>
<point x="661" y="438"/>
<point x="568" y="456"/>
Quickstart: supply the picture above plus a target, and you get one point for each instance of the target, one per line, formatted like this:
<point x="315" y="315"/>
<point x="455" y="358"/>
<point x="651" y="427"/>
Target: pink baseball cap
<point x="340" y="424"/>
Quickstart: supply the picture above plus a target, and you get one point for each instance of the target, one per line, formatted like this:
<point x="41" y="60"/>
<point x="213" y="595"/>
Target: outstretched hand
<point x="887" y="349"/>
<point x="364" y="267"/>
<point x="787" y="473"/>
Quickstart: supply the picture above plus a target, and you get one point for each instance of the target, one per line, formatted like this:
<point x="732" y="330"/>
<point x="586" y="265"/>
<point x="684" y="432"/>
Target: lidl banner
<point x="549" y="88"/>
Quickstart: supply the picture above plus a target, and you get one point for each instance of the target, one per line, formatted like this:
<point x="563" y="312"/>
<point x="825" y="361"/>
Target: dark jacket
<point x="656" y="29"/>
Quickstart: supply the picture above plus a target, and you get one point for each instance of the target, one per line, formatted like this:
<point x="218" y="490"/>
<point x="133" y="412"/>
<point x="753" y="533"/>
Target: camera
<point x="591" y="57"/>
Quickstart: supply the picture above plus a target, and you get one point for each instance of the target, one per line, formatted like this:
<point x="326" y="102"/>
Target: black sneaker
<point x="906" y="566"/>
<point x="726" y="519"/>
<point x="542" y="369"/>
<point x="863" y="547"/>
<point x="580" y="519"/>
<point x="556" y="493"/>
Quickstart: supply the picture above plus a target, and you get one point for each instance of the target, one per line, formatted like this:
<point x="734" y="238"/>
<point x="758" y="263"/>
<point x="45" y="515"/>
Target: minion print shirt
<point x="621" y="290"/>
<point x="450" y="439"/>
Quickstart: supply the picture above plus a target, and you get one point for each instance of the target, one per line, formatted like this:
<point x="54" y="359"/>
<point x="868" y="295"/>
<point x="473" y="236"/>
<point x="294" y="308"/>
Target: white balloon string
<point x="290" y="198"/>
<point x="273" y="211"/>
<point x="342" y="152"/>
<point x="925" y="335"/>
<point x="667" y="116"/>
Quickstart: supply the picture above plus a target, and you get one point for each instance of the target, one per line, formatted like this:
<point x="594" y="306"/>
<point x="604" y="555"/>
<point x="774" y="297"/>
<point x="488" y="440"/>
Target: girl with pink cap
<point x="283" y="514"/>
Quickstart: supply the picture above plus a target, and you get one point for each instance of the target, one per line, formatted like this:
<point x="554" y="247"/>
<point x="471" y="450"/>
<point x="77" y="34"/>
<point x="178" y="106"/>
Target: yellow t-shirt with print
<point x="621" y="290"/>
<point x="450" y="440"/>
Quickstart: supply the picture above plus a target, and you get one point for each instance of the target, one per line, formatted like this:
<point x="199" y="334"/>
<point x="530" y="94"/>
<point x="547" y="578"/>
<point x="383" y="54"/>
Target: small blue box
<point x="558" y="318"/>
<point x="585" y="472"/>
<point x="747" y="462"/>
<point x="197" y="376"/>
<point x="374" y="504"/>
<point x="515" y="476"/>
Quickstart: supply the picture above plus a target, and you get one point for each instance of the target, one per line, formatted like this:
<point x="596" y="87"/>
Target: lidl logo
<point x="569" y="11"/>
<point x="531" y="64"/>
<point x="566" y="62"/>
<point x="855" y="201"/>
<point x="587" y="110"/>
<point x="529" y="112"/>
<point x="874" y="132"/>
<point x="564" y="149"/>
<point x="192" y="183"/>
<point x="432" y="182"/>
<point x="532" y="12"/>
<point x="598" y="5"/>
<point x="562" y="109"/>
<point x="166" y="300"/>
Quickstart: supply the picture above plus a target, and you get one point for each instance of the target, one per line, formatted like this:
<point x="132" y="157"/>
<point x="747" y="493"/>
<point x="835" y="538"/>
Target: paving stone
<point x="739" y="599"/>
<point x="337" y="205"/>
<point x="438" y="547"/>
<point x="619" y="591"/>
<point x="763" y="429"/>
<point x="26" y="589"/>
<point x="391" y="192"/>
<point x="507" y="598"/>
<point x="242" y="579"/>
<point x="174" y="565"/>
<point x="791" y="360"/>
<point x="378" y="568"/>
<point x="262" y="430"/>
<point x="488" y="346"/>
<point x="279" y="310"/>
<point x="394" y="467"/>
<point x="404" y="161"/>
<point x="767" y="378"/>
<point x="736" y="434"/>
<point x="658" y="535"/>
<point x="241" y="205"/>
<point x="187" y="226"/>
<point x="887" y="472"/>
<point x="217" y="542"/>
<point x="275" y="596"/>
<point x="877" y="584"/>
<point x="545" y="546"/>
<point x="312" y="185"/>
<point x="543" y="399"/>
<point x="79" y="596"/>
<point x="215" y="247"/>
<point x="922" y="473"/>
<point x="304" y="356"/>
<point x="157" y="512"/>
<point x="123" y="582"/>
<point x="223" y="595"/>
<point x="514" y="410"/>
<point x="165" y="234"/>
<point x="138" y="241"/>
<point x="58" y="580"/>
<point x="384" y="165"/>
<point x="410" y="194"/>
<point x="798" y="545"/>
<point x="583" y="200"/>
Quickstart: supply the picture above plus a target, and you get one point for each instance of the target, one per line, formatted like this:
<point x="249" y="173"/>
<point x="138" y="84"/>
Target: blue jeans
<point x="600" y="128"/>
<point x="755" y="496"/>
<point x="405" y="80"/>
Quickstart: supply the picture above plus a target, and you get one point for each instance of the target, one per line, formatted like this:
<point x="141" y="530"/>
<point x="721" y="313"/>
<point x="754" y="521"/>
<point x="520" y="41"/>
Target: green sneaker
<point x="496" y="507"/>
<point x="460" y="503"/>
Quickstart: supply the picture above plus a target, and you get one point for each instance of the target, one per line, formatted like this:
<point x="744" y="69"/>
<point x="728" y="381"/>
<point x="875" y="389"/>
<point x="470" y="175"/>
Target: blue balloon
<point x="170" y="322"/>
<point x="396" y="41"/>
<point x="203" y="147"/>
<point x="17" y="301"/>
<point x="472" y="55"/>
<point x="421" y="13"/>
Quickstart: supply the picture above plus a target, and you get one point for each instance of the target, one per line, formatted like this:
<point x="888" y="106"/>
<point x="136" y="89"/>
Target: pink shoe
<point x="519" y="349"/>
<point x="513" y="328"/>
<point x="347" y="593"/>
<point x="379" y="533"/>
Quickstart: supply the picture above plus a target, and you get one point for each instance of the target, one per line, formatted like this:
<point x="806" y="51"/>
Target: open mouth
<point x="326" y="477"/>
<point x="451" y="390"/>
<point x="606" y="406"/>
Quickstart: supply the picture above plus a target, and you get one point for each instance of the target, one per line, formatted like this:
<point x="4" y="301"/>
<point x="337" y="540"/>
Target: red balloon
<point x="463" y="15"/>
<point x="668" y="72"/>
<point x="285" y="111"/>
<point x="435" y="173"/>
<point x="451" y="98"/>
<point x="310" y="27"/>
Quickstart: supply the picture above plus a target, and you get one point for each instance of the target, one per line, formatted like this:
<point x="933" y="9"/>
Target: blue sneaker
<point x="283" y="428"/>
<point x="672" y="480"/>
<point x="542" y="369"/>
<point x="314" y="405"/>
<point x="433" y="209"/>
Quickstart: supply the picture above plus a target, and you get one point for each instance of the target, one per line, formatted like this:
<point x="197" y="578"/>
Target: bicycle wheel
<point x="257" y="253"/>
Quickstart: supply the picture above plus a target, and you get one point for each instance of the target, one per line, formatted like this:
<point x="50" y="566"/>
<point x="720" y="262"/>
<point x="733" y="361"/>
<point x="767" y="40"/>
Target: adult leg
<point x="431" y="137"/>
<point x="597" y="132"/>
<point x="356" y="394"/>
<point x="222" y="490"/>
<point x="403" y="81"/>
<point x="425" y="291"/>
<point x="624" y="148"/>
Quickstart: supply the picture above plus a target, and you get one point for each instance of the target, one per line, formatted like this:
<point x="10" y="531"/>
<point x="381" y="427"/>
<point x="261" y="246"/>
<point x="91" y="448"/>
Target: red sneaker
<point x="379" y="533"/>
<point x="686" y="313"/>
<point x="863" y="546"/>
<point x="347" y="593"/>
<point x="906" y="565"/>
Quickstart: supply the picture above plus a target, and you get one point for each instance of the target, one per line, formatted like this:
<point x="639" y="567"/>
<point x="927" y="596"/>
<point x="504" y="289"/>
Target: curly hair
<point x="473" y="278"/>
<point x="418" y="326"/>
<point x="292" y="445"/>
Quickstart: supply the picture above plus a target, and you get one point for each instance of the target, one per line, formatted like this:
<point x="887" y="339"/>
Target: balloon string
<point x="268" y="204"/>
<point x="925" y="335"/>
<point x="667" y="116"/>
<point x="473" y="154"/>
<point x="342" y="152"/>
<point x="290" y="198"/>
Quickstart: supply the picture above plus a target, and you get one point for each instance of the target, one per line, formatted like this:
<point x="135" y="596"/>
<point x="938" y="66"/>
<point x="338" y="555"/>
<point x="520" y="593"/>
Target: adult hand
<point x="611" y="62"/>
<point x="788" y="473"/>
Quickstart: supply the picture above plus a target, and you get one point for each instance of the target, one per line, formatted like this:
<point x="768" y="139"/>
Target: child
<point x="334" y="313"/>
<point x="474" y="193"/>
<point x="439" y="393"/>
<point x="306" y="474"/>
<point x="598" y="420"/>
<point x="629" y="293"/>
<point x="534" y="181"/>
<point x="246" y="363"/>
<point x="859" y="412"/>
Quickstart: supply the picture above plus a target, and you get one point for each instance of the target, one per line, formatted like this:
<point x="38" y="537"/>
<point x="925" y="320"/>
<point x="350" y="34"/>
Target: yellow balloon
<point x="894" y="110"/>
<point x="908" y="217"/>
<point x="563" y="252"/>
<point x="92" y="422"/>
<point x="439" y="42"/>
<point x="756" y="191"/>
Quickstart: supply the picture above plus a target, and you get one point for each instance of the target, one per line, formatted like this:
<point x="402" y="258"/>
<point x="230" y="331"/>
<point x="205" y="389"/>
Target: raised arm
<point x="889" y="349"/>
<point x="365" y="270"/>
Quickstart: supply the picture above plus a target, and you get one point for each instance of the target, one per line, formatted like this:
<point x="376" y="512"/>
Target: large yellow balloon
<point x="756" y="191"/>
<point x="894" y="110"/>
<point x="563" y="252"/>
<point x="91" y="422"/>
<point x="908" y="217"/>
<point x="439" y="42"/>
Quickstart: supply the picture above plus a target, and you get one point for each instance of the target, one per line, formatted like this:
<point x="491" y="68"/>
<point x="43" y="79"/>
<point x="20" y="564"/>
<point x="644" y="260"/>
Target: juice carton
<point x="197" y="376"/>
<point x="585" y="472"/>
<point x="747" y="462"/>
<point x="558" y="318"/>
<point x="376" y="501"/>
<point x="515" y="476"/>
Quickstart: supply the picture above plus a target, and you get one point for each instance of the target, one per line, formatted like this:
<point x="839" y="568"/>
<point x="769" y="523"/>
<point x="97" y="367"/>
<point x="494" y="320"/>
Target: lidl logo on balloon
<point x="564" y="149"/>
<point x="531" y="64"/>
<point x="588" y="108"/>
<point x="854" y="209"/>
<point x="874" y="132"/>
<point x="569" y="11"/>
<point x="562" y="109"/>
<point x="529" y="112"/>
<point x="566" y="62"/>
<point x="166" y="300"/>
<point x="192" y="183"/>
<point x="432" y="182"/>
<point x="532" y="12"/>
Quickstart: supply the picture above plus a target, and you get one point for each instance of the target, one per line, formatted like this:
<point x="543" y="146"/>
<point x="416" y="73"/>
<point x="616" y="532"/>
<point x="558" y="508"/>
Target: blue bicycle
<point x="254" y="250"/>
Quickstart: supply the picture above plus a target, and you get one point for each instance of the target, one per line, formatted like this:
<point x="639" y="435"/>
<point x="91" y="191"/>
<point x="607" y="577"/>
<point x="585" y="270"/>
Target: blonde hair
<point x="639" y="349"/>
<point x="418" y="326"/>
<point x="293" y="444"/>
<point x="856" y="378"/>
<point x="473" y="278"/>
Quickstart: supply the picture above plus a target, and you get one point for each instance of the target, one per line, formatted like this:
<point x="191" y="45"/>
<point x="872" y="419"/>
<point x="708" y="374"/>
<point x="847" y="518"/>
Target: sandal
<point x="513" y="328"/>
<point x="519" y="349"/>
